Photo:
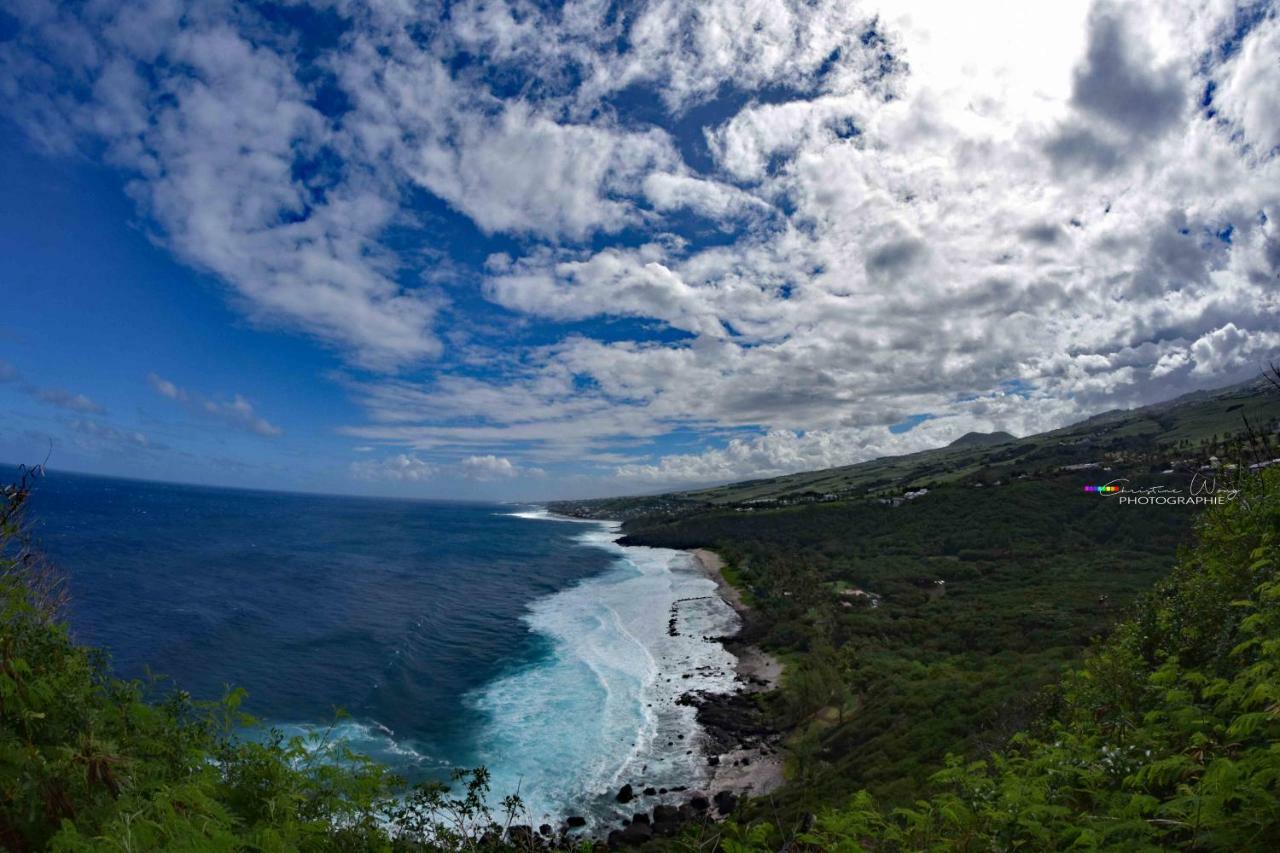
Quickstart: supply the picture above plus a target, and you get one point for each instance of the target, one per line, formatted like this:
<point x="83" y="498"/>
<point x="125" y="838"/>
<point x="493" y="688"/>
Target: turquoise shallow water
<point x="453" y="634"/>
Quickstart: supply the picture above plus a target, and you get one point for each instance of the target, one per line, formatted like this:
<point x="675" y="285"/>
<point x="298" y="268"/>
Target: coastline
<point x="738" y="752"/>
<point x="755" y="665"/>
<point x="751" y="765"/>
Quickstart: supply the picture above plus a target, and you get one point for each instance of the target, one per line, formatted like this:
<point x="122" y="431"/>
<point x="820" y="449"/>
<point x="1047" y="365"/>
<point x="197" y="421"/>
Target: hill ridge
<point x="1162" y="435"/>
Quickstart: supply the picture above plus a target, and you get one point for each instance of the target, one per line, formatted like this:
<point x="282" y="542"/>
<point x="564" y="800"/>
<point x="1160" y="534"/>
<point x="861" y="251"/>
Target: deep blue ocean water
<point x="452" y="634"/>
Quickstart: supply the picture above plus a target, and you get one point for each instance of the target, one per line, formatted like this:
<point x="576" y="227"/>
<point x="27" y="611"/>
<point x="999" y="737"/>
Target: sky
<point x="526" y="250"/>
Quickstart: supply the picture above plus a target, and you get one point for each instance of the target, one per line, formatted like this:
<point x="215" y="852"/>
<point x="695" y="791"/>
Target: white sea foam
<point x="568" y="731"/>
<point x="369" y="738"/>
<point x="541" y="514"/>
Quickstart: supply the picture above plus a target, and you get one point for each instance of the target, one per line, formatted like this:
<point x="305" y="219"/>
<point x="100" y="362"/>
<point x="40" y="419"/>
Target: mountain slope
<point x="982" y="439"/>
<point x="1175" y="434"/>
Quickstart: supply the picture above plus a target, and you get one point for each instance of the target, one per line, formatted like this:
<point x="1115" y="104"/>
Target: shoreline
<point x="755" y="665"/>
<point x="740" y="751"/>
<point x="752" y="765"/>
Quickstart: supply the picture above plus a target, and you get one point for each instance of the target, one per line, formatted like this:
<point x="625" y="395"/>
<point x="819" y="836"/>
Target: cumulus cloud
<point x="205" y="112"/>
<point x="780" y="226"/>
<point x="1229" y="347"/>
<point x="236" y="412"/>
<point x="1120" y="83"/>
<point x="935" y="254"/>
<point x="165" y="388"/>
<point x="400" y="468"/>
<point x="488" y="467"/>
<point x="1250" y="96"/>
<point x="411" y="468"/>
<point x="524" y="173"/>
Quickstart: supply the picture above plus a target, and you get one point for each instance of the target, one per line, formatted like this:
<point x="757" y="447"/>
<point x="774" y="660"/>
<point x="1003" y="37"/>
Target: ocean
<point x="452" y="634"/>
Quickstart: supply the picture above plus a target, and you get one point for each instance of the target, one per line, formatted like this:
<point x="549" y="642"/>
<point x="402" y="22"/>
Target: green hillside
<point x="927" y="611"/>
<point x="1162" y="738"/>
<point x="1180" y="434"/>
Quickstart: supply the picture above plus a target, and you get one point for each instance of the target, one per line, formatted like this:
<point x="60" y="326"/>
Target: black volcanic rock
<point x="576" y="821"/>
<point x="636" y="833"/>
<point x="725" y="802"/>
<point x="664" y="813"/>
<point x="626" y="794"/>
<point x="521" y="835"/>
<point x="730" y="721"/>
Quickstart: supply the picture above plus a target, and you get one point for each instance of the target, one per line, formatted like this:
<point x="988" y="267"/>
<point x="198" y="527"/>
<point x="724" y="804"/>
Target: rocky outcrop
<point x="521" y="836"/>
<point x="731" y="721"/>
<point x="668" y="819"/>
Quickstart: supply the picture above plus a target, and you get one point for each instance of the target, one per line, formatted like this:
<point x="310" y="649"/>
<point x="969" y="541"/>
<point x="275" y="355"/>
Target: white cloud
<point x="488" y="467"/>
<point x="781" y="452"/>
<point x="1229" y="347"/>
<point x="213" y="136"/>
<point x="400" y="468"/>
<point x="236" y="412"/>
<point x="165" y="388"/>
<point x="893" y="215"/>
<point x="688" y="53"/>
<point x="524" y="173"/>
<point x="1251" y="95"/>
<point x="411" y="468"/>
<point x="937" y="250"/>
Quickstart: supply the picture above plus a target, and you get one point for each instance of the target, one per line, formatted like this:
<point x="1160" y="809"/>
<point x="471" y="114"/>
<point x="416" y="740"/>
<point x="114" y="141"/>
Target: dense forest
<point x="981" y="666"/>
<point x="931" y="627"/>
<point x="1165" y="737"/>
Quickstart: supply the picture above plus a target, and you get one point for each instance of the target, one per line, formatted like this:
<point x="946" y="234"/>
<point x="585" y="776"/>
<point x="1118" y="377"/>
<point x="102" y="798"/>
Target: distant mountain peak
<point x="977" y="439"/>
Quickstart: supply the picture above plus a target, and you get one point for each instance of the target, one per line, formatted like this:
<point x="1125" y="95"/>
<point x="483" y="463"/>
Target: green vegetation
<point x="1166" y="736"/>
<point x="972" y="600"/>
<point x="930" y="617"/>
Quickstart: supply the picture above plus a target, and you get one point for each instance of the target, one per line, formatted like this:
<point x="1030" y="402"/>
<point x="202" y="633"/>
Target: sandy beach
<point x="754" y="664"/>
<point x="754" y="769"/>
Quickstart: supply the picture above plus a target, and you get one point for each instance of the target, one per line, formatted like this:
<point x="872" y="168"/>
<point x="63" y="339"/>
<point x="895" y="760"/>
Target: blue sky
<point x="532" y="250"/>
